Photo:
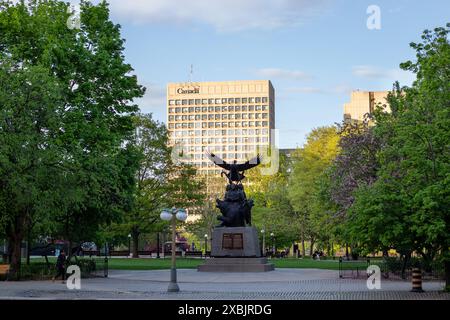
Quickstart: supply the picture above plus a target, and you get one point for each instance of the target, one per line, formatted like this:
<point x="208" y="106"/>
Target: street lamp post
<point x="263" y="232"/>
<point x="105" y="267"/>
<point x="172" y="215"/>
<point x="272" y="235"/>
<point x="206" y="244"/>
<point x="157" y="245"/>
<point x="129" y="244"/>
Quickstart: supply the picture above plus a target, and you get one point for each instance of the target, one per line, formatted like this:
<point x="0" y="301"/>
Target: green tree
<point x="280" y="217"/>
<point x="309" y="165"/>
<point x="185" y="189"/>
<point x="94" y="175"/>
<point x="151" y="141"/>
<point x="206" y="221"/>
<point x="407" y="207"/>
<point x="355" y="166"/>
<point x="29" y="154"/>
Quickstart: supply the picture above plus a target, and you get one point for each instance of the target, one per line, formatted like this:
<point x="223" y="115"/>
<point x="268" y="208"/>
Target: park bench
<point x="4" y="269"/>
<point x="119" y="253"/>
<point x="91" y="253"/>
<point x="357" y="268"/>
<point x="169" y="253"/>
<point x="145" y="252"/>
<point x="193" y="254"/>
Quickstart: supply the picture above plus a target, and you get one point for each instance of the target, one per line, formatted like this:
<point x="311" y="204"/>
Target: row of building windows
<point x="230" y="132"/>
<point x="200" y="156"/>
<point x="218" y="124"/>
<point x="208" y="163"/>
<point x="218" y="148"/>
<point x="218" y="101"/>
<point x="218" y="109"/>
<point x="222" y="140"/>
<point x="208" y="172"/>
<point x="232" y="116"/>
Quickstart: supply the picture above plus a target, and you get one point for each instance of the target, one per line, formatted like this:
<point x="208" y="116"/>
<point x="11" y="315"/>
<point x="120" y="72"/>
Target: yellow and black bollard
<point x="416" y="280"/>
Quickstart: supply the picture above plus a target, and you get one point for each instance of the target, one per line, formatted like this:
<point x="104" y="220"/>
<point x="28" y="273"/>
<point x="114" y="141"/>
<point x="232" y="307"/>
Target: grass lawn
<point x="192" y="263"/>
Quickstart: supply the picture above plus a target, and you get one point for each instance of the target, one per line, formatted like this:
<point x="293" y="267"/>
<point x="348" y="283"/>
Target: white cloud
<point x="223" y="15"/>
<point x="275" y="73"/>
<point x="377" y="73"/>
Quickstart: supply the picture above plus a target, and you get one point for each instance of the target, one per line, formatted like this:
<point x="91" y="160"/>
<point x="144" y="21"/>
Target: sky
<point x="315" y="52"/>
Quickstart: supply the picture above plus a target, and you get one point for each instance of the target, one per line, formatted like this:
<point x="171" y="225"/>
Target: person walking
<point x="60" y="266"/>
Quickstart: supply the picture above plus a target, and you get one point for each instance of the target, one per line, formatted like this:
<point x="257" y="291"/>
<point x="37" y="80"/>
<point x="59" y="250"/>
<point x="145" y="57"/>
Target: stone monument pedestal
<point x="235" y="249"/>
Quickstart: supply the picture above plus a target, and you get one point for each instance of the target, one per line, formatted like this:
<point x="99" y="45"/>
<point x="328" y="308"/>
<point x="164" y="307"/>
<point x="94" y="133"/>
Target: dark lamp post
<point x="173" y="215"/>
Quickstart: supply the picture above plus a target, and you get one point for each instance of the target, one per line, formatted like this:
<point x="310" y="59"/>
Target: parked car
<point x="43" y="250"/>
<point x="49" y="249"/>
<point x="89" y="246"/>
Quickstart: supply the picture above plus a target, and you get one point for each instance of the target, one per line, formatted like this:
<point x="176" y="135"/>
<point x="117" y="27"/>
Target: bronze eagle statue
<point x="235" y="170"/>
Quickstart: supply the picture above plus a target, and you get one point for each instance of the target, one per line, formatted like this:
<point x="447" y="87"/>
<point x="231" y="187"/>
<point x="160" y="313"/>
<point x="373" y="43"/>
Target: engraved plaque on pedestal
<point x="232" y="241"/>
<point x="235" y="242"/>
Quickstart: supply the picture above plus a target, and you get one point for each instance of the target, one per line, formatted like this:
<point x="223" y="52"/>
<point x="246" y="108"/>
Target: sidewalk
<point x="279" y="284"/>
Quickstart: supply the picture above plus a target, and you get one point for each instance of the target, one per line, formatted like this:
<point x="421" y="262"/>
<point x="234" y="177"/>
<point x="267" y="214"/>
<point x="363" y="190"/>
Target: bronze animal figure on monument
<point x="235" y="170"/>
<point x="235" y="208"/>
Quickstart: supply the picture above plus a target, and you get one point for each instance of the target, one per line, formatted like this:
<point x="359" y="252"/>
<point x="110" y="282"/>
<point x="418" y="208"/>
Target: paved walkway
<point x="278" y="284"/>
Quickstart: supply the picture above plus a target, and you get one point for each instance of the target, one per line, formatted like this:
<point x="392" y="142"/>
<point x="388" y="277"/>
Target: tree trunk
<point x="311" y="248"/>
<point x="69" y="253"/>
<point x="6" y="256"/>
<point x="135" y="236"/>
<point x="406" y="257"/>
<point x="303" y="247"/>
<point x="163" y="247"/>
<point x="28" y="247"/>
<point x="15" y="234"/>
<point x="447" y="274"/>
<point x="15" y="247"/>
<point x="29" y="229"/>
<point x="158" y="245"/>
<point x="346" y="251"/>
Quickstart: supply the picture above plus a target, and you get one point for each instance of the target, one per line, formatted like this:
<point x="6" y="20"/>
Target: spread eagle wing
<point x="250" y="163"/>
<point x="218" y="161"/>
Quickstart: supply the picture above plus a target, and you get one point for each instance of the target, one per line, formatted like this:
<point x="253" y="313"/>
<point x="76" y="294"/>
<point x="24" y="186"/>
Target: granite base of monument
<point x="235" y="249"/>
<point x="235" y="242"/>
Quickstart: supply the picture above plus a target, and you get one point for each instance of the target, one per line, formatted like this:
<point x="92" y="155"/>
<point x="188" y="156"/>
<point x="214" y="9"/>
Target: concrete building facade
<point x="362" y="103"/>
<point x="230" y="118"/>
